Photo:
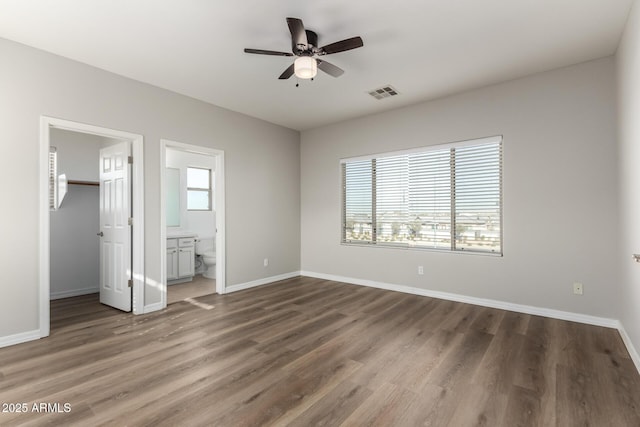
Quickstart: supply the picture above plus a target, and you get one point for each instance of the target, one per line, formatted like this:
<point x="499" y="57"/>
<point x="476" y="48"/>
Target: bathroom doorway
<point x="78" y="247"/>
<point x="192" y="221"/>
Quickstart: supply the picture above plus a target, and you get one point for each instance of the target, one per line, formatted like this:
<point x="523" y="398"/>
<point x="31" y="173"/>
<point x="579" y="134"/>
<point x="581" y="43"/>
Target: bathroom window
<point x="198" y="189"/>
<point x="444" y="197"/>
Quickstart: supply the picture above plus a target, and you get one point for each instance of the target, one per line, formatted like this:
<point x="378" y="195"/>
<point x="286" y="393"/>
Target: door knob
<point x="100" y="234"/>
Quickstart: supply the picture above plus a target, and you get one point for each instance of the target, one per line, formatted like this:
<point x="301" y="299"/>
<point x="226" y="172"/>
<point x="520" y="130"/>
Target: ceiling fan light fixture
<point x="304" y="45"/>
<point x="305" y="67"/>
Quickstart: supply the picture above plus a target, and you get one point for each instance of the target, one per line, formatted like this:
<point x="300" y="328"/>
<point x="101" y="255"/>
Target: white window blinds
<point x="358" y="208"/>
<point x="442" y="197"/>
<point x="53" y="183"/>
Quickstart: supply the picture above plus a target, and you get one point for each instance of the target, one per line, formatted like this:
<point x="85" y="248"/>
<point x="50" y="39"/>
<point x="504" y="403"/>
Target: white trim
<point x="447" y="145"/>
<point x="44" y="235"/>
<point x="137" y="172"/>
<point x="260" y="282"/>
<point x="74" y="293"/>
<point x="630" y="347"/>
<point x="221" y="227"/>
<point x="137" y="142"/>
<point x="221" y="279"/>
<point x="503" y="305"/>
<point x="152" y="307"/>
<point x="19" y="338"/>
<point x="163" y="231"/>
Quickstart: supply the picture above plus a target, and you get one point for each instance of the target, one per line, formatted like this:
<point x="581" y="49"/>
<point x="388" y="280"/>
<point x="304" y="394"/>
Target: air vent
<point x="384" y="92"/>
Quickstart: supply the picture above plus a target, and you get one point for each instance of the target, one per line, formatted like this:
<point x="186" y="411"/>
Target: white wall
<point x="202" y="223"/>
<point x="628" y="67"/>
<point x="77" y="154"/>
<point x="75" y="248"/>
<point x="262" y="169"/>
<point x="560" y="191"/>
<point x="80" y="151"/>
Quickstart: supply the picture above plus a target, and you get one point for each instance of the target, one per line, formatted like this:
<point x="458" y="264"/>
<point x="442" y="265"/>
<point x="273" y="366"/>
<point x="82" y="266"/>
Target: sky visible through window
<point x="198" y="189"/>
<point x="413" y="199"/>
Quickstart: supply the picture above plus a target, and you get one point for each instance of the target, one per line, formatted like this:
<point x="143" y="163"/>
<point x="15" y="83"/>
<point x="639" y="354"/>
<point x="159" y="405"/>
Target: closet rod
<point x="94" y="183"/>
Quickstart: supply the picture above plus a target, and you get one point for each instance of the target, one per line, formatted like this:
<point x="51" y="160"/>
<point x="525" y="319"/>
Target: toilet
<point x="206" y="248"/>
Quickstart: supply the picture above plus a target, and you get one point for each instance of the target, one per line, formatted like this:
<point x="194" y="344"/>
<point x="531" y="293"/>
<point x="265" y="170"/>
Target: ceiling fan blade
<point x="329" y="68"/>
<point x="268" y="52"/>
<point x="341" y="46"/>
<point x="287" y="73"/>
<point x="298" y="35"/>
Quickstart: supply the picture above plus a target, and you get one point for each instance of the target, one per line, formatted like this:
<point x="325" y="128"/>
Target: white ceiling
<point x="425" y="48"/>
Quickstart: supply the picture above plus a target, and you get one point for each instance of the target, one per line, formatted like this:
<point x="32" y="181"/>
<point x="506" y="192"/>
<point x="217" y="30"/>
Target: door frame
<point x="219" y="195"/>
<point x="137" y="197"/>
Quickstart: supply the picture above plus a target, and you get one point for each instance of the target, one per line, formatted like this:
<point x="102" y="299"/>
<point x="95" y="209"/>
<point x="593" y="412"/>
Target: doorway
<point x="192" y="221"/>
<point x="82" y="197"/>
<point x="134" y="235"/>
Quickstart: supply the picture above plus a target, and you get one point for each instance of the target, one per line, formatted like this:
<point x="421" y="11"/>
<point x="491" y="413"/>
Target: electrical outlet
<point x="577" y="288"/>
<point x="266" y="262"/>
<point x="420" y="270"/>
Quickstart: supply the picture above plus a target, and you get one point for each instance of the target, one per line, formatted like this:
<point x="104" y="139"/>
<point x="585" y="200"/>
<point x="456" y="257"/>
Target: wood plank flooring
<point x="198" y="287"/>
<point x="306" y="352"/>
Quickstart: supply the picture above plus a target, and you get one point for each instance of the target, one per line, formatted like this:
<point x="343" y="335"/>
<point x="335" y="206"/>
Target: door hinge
<point x="130" y="283"/>
<point x="130" y="160"/>
<point x="130" y="221"/>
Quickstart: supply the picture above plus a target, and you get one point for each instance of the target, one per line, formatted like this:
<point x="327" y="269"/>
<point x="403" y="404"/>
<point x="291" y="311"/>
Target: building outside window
<point x="444" y="197"/>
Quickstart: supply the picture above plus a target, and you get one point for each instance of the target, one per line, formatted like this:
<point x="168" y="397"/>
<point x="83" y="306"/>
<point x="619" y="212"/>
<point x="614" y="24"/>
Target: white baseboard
<point x="520" y="308"/>
<point x="73" y="293"/>
<point x="260" y="282"/>
<point x="527" y="309"/>
<point x="630" y="347"/>
<point x="152" y="307"/>
<point x="19" y="338"/>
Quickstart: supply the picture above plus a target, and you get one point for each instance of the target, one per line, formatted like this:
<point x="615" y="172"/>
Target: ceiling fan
<point x="304" y="45"/>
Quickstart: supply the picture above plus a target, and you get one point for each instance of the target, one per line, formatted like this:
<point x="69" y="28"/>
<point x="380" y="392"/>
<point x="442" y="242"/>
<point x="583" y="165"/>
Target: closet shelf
<point x="93" y="183"/>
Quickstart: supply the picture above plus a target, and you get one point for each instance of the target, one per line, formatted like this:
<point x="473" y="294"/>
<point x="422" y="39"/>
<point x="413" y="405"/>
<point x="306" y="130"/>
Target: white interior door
<point x="115" y="231"/>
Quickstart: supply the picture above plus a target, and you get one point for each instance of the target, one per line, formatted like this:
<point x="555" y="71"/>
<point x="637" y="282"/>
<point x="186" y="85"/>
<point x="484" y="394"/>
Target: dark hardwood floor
<point x="306" y="352"/>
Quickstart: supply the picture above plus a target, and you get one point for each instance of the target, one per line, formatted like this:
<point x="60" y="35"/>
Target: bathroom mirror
<point x="172" y="187"/>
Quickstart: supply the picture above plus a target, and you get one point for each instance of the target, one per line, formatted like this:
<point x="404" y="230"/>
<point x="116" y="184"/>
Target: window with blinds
<point x="53" y="173"/>
<point x="446" y="197"/>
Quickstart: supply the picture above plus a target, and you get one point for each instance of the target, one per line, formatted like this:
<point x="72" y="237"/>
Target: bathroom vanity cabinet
<point x="180" y="259"/>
